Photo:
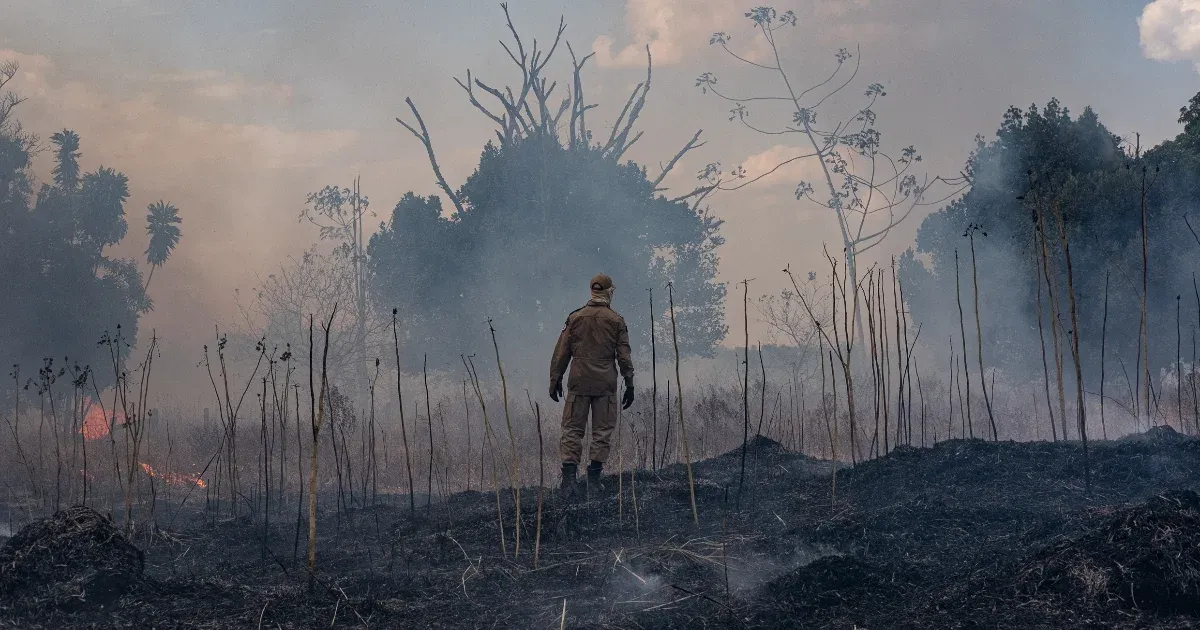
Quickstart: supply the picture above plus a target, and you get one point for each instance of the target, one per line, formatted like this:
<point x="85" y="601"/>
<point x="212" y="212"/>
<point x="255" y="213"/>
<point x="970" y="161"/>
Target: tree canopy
<point x="63" y="293"/>
<point x="539" y="221"/>
<point x="1076" y="167"/>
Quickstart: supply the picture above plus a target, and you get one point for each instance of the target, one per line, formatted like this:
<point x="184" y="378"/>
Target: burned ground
<point x="963" y="534"/>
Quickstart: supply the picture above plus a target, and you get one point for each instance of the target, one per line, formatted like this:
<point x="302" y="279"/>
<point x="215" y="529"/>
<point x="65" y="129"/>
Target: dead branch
<point x="692" y="144"/>
<point x="423" y="136"/>
<point x="474" y="101"/>
<point x="618" y="144"/>
<point x="612" y="136"/>
<point x="578" y="131"/>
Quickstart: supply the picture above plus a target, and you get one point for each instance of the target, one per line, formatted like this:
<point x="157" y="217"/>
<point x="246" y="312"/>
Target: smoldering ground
<point x="953" y="535"/>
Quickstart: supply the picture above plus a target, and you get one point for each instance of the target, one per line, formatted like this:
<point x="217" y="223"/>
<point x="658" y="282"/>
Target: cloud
<point x="219" y="86"/>
<point x="779" y="166"/>
<point x="1170" y="30"/>
<point x="670" y="27"/>
<point x="677" y="30"/>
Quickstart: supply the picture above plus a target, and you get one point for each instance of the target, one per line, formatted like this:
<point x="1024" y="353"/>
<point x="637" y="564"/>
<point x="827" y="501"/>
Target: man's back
<point x="594" y="341"/>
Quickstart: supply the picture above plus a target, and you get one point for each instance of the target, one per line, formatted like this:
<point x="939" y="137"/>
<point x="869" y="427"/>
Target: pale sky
<point x="233" y="111"/>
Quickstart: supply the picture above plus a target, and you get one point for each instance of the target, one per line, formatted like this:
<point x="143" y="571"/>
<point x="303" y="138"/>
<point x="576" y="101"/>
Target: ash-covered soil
<point x="967" y="534"/>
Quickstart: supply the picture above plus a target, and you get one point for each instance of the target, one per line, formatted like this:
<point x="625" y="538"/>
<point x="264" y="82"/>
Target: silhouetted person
<point x="594" y="341"/>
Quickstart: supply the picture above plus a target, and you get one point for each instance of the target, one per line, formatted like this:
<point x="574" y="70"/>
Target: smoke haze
<point x="235" y="112"/>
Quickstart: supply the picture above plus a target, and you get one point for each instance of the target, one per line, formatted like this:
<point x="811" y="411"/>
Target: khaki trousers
<point x="574" y="424"/>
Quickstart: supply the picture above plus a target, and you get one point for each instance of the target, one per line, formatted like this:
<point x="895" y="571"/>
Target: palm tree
<point x="161" y="223"/>
<point x="66" y="155"/>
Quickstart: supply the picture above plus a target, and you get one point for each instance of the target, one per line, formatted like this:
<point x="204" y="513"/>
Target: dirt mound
<point x="756" y="446"/>
<point x="1145" y="557"/>
<point x="835" y="582"/>
<point x="74" y="559"/>
<point x="1162" y="434"/>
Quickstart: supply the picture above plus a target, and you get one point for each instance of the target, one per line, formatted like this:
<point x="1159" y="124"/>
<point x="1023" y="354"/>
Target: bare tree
<point x="532" y="109"/>
<point x="868" y="190"/>
<point x="277" y="307"/>
<point x="340" y="214"/>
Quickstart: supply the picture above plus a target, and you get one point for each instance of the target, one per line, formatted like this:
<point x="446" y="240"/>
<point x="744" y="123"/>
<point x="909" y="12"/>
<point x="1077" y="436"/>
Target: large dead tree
<point x="531" y="108"/>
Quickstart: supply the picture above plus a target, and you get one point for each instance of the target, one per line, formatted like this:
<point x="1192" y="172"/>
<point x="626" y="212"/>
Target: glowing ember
<point x="174" y="478"/>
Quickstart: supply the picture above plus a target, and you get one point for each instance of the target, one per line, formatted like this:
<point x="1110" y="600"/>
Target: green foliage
<point x="539" y="221"/>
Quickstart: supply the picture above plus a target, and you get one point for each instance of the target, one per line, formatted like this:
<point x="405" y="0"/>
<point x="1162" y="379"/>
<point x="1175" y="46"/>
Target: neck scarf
<point x="602" y="297"/>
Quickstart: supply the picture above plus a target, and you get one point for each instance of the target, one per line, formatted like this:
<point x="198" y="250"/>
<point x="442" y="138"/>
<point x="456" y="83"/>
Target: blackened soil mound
<point x="74" y="559"/>
<point x="1162" y="434"/>
<point x="1145" y="557"/>
<point x="848" y="582"/>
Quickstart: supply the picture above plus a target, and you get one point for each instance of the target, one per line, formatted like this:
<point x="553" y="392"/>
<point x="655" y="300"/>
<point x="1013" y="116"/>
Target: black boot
<point x="569" y="471"/>
<point x="593" y="478"/>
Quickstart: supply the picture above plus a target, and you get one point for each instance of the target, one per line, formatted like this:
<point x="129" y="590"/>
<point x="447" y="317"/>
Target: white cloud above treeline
<point x="1170" y="31"/>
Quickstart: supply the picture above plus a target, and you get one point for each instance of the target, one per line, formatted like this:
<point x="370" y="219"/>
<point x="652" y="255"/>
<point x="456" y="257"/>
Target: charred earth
<point x="966" y="534"/>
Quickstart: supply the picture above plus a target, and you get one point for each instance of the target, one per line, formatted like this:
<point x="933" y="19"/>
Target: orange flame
<point x="174" y="478"/>
<point x="95" y="421"/>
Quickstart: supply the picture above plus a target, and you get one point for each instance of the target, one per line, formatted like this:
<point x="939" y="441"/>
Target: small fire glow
<point x="174" y="478"/>
<point x="95" y="421"/>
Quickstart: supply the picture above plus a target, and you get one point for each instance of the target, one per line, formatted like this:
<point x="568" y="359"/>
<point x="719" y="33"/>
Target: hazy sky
<point x="235" y="110"/>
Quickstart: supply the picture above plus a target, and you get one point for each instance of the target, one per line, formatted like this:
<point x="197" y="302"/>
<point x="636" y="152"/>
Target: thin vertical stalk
<point x="1192" y="384"/>
<point x="950" y="391"/>
<point x="316" y="430"/>
<point x="921" y="393"/>
<point x="1082" y="411"/>
<point x="488" y="434"/>
<point x="1178" y="369"/>
<point x="902" y="423"/>
<point x="833" y="437"/>
<point x="467" y="422"/>
<point x="516" y="469"/>
<point x="1051" y="276"/>
<point x="667" y="434"/>
<point x="762" y="396"/>
<point x="687" y="454"/>
<point x="745" y="390"/>
<point x="979" y="334"/>
<point x="266" y="472"/>
<point x="963" y="330"/>
<point x="1103" y="339"/>
<point x="412" y="500"/>
<point x="429" y="418"/>
<point x="1192" y="375"/>
<point x="653" y="388"/>
<point x="537" y="541"/>
<point x="637" y="523"/>
<point x="1039" y="262"/>
<point x="1145" y="282"/>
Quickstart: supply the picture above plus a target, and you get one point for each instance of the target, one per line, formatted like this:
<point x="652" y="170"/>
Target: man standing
<point x="594" y="341"/>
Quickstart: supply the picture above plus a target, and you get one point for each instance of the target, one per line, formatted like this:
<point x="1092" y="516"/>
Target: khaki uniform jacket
<point x="595" y="341"/>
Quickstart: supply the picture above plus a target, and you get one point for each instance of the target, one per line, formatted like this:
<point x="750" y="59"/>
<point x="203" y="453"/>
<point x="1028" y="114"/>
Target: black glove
<point x="555" y="390"/>
<point x="627" y="399"/>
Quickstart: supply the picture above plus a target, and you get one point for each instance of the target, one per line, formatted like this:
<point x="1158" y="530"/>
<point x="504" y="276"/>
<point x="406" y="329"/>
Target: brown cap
<point x="601" y="282"/>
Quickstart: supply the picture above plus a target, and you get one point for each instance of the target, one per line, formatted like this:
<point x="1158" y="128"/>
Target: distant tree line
<point x="1047" y="161"/>
<point x="63" y="293"/>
